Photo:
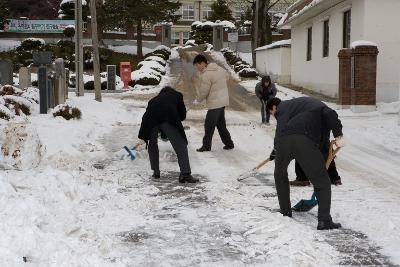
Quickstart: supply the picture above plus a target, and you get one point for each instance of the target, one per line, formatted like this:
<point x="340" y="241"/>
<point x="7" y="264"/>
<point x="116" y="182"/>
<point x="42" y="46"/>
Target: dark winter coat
<point x="307" y="116"/>
<point x="168" y="107"/>
<point x="265" y="93"/>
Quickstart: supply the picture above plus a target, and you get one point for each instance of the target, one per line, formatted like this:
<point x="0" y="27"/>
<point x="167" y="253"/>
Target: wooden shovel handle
<point x="261" y="164"/>
<point x="331" y="154"/>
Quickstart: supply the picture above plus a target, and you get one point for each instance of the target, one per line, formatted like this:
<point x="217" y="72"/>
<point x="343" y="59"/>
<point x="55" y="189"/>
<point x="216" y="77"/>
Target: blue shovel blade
<point x="130" y="153"/>
<point x="305" y="205"/>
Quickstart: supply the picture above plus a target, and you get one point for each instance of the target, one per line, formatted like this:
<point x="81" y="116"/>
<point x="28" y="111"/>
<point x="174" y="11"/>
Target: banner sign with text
<point x="37" y="26"/>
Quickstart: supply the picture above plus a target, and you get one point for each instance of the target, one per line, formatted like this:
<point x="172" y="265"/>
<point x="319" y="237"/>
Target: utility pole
<point x="78" y="48"/>
<point x="256" y="23"/>
<point x="95" y="45"/>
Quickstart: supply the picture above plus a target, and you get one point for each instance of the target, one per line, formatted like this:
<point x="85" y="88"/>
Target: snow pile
<point x="21" y="147"/>
<point x="362" y="43"/>
<point x="277" y="44"/>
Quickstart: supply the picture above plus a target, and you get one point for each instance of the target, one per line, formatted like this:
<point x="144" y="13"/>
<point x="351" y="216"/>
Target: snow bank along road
<point x="86" y="205"/>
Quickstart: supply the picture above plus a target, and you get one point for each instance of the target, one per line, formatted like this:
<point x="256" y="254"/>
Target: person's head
<point x="272" y="105"/>
<point x="200" y="62"/>
<point x="166" y="89"/>
<point x="266" y="80"/>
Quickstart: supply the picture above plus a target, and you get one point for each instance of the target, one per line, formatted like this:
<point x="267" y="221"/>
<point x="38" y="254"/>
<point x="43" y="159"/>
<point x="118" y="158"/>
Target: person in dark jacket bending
<point x="298" y="135"/>
<point x="265" y="90"/>
<point x="165" y="114"/>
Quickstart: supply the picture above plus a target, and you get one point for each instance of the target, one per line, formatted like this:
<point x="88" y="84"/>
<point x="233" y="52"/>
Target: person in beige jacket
<point x="214" y="89"/>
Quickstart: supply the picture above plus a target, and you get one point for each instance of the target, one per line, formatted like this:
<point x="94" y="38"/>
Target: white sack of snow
<point x="21" y="148"/>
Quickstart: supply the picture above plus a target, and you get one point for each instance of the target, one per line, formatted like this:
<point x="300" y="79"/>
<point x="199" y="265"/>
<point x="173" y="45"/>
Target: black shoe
<point x="229" y="147"/>
<point x="187" y="178"/>
<point x="337" y="182"/>
<point x="156" y="175"/>
<point x="287" y="214"/>
<point x="328" y="225"/>
<point x="203" y="149"/>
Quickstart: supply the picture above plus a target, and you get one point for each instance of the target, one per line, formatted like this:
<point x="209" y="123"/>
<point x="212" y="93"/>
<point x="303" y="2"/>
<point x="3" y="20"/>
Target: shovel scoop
<point x="305" y="205"/>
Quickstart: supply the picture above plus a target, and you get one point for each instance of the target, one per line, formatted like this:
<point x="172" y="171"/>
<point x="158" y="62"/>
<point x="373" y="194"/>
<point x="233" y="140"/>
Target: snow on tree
<point x="67" y="10"/>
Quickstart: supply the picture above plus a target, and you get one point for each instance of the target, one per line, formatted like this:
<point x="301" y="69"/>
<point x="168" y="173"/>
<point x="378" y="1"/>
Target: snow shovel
<point x="132" y="152"/>
<point x="305" y="205"/>
<point x="253" y="171"/>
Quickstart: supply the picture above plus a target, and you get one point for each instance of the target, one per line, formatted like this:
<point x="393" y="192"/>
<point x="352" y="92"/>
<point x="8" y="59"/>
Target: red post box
<point x="125" y="72"/>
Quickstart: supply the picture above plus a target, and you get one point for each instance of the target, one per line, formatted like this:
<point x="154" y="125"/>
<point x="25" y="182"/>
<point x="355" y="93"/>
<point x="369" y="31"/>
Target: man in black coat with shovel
<point x="165" y="114"/>
<point x="298" y="135"/>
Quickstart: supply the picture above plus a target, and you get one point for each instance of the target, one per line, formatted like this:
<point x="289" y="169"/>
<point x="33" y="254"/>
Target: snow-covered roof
<point x="283" y="43"/>
<point x="362" y="43"/>
<point x="73" y="1"/>
<point x="299" y="8"/>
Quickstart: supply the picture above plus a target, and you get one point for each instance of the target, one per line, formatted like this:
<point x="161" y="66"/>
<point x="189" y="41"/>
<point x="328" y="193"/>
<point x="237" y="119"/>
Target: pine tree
<point x="4" y="13"/>
<point x="126" y="13"/>
<point x="221" y="11"/>
<point x="67" y="10"/>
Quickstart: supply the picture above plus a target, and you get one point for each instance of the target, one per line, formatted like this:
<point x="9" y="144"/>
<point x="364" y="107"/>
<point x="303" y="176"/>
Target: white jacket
<point x="214" y="86"/>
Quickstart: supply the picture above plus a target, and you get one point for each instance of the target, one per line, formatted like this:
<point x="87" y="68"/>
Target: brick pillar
<point x="365" y="72"/>
<point x="345" y="77"/>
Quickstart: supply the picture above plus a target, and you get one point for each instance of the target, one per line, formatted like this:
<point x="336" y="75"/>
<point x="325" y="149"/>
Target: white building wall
<point x="321" y="74"/>
<point x="382" y="21"/>
<point x="372" y="20"/>
<point x="276" y="63"/>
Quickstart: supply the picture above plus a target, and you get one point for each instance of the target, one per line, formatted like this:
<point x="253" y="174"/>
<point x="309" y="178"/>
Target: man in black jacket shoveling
<point x="298" y="135"/>
<point x="165" y="114"/>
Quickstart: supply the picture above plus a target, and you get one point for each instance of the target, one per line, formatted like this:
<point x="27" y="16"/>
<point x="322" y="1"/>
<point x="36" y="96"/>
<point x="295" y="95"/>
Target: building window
<point x="207" y="12"/>
<point x="309" y="43"/>
<point x="325" y="52"/>
<point x="176" y="38"/>
<point x="186" y="37"/>
<point x="188" y="12"/>
<point x="346" y="29"/>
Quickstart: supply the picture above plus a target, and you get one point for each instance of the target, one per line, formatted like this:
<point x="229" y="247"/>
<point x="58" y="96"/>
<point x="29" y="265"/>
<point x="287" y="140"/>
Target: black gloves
<point x="272" y="155"/>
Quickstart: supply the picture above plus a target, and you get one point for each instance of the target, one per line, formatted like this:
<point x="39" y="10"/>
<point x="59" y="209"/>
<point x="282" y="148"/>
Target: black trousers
<point x="216" y="118"/>
<point x="178" y="143"/>
<point x="311" y="160"/>
<point x="332" y="172"/>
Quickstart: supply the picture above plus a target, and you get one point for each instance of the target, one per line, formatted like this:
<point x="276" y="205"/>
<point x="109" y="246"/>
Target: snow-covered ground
<point x="129" y="49"/>
<point x="87" y="204"/>
<point x="6" y="45"/>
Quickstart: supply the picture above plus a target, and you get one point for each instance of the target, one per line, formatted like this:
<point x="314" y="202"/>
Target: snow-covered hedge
<point x="16" y="102"/>
<point x="248" y="73"/>
<point x="145" y="77"/>
<point x="157" y="59"/>
<point x="32" y="43"/>
<point x="152" y="65"/>
<point x="67" y="112"/>
<point x="240" y="66"/>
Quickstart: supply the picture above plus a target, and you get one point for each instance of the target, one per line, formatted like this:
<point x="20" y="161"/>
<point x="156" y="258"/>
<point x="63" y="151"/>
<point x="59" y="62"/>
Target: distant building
<point x="320" y="29"/>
